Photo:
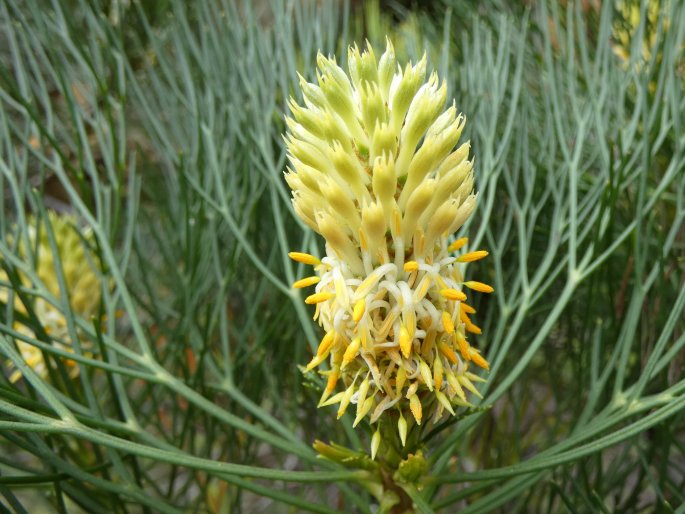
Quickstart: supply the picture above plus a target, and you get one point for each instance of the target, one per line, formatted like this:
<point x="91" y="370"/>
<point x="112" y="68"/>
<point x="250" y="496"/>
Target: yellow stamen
<point x="467" y="308"/>
<point x="422" y="289"/>
<point x="304" y="258"/>
<point x="453" y="294"/>
<point x="410" y="266"/>
<point x="463" y="345"/>
<point x="400" y="379"/>
<point x="428" y="341"/>
<point x="318" y="297"/>
<point x="337" y="355"/>
<point x="365" y="334"/>
<point x="426" y="374"/>
<point x="437" y="372"/>
<point x="444" y="401"/>
<point x="409" y="316"/>
<point x="332" y="380"/>
<point x="325" y="343"/>
<point x="318" y="359"/>
<point x="336" y="398"/>
<point x="472" y="256"/>
<point x="447" y="322"/>
<point x="387" y="324"/>
<point x="474" y="329"/>
<point x="415" y="406"/>
<point x="478" y="359"/>
<point x="458" y="244"/>
<point x="474" y="378"/>
<point x="469" y="385"/>
<point x="375" y="442"/>
<point x="402" y="429"/>
<point x="363" y="244"/>
<point x="454" y="384"/>
<point x="351" y="352"/>
<point x="479" y="286"/>
<point x="363" y="411"/>
<point x="447" y="352"/>
<point x="367" y="284"/>
<point x="345" y="401"/>
<point x="306" y="282"/>
<point x="405" y="342"/>
<point x="358" y="310"/>
<point x="361" y="394"/>
<point x="439" y="281"/>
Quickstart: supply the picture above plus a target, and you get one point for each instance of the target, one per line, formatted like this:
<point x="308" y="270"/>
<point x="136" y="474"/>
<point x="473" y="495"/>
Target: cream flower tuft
<point x="376" y="170"/>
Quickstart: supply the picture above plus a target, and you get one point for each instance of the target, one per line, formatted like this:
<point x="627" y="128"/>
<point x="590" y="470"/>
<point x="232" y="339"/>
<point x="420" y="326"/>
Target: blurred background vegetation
<point x="157" y="126"/>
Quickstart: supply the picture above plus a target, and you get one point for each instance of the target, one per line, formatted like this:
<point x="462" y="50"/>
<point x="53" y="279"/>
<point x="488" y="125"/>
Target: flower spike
<point x="376" y="168"/>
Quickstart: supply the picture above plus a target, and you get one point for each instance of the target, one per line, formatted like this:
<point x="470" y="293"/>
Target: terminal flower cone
<point x="376" y="169"/>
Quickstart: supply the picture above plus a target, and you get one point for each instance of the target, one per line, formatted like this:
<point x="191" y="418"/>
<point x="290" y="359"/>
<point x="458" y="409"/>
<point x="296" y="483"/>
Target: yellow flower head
<point x="80" y="276"/>
<point x="375" y="171"/>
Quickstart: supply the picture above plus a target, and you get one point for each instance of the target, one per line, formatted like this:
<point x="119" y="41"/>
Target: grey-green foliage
<point x="175" y="165"/>
<point x="582" y="177"/>
<point x="166" y="141"/>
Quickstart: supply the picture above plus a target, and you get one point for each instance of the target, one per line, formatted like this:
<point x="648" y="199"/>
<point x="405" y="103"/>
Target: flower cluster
<point x="80" y="275"/>
<point x="626" y="25"/>
<point x="375" y="171"/>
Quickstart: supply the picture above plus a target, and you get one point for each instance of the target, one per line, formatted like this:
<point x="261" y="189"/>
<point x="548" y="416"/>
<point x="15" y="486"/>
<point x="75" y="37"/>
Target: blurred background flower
<point x="72" y="264"/>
